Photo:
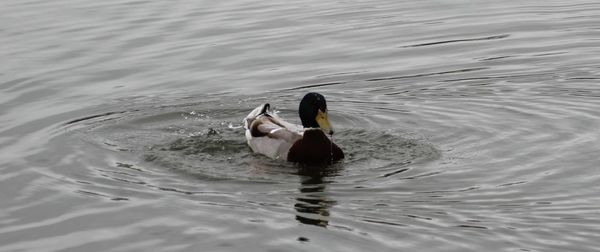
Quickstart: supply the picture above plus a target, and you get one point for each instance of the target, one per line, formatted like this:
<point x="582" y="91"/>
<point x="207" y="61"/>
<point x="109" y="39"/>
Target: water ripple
<point x="468" y="126"/>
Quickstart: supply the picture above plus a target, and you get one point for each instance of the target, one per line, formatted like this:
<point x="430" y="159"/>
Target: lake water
<point x="468" y="125"/>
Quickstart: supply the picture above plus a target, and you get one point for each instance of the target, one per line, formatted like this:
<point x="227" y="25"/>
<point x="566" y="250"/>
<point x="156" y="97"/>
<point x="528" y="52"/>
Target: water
<point x="467" y="126"/>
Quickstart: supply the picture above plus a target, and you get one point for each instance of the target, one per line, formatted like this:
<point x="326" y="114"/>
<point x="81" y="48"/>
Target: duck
<point x="270" y="135"/>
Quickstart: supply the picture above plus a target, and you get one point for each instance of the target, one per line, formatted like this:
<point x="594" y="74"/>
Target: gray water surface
<point x="468" y="126"/>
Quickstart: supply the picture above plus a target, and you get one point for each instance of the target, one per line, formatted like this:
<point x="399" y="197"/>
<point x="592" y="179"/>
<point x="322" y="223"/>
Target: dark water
<point x="468" y="126"/>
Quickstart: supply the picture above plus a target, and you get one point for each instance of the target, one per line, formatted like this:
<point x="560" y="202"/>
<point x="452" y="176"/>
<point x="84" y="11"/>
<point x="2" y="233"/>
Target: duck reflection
<point x="312" y="204"/>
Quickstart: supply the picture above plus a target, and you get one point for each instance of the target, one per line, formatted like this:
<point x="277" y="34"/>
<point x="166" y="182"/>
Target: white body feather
<point x="278" y="141"/>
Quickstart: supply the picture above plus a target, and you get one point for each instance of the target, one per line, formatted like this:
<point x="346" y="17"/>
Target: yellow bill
<point x="323" y="122"/>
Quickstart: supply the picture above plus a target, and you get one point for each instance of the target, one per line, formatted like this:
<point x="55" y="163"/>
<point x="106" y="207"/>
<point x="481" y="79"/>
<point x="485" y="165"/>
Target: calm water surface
<point x="468" y="125"/>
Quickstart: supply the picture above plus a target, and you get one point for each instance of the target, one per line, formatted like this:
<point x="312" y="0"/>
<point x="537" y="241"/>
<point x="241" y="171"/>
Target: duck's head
<point x="313" y="112"/>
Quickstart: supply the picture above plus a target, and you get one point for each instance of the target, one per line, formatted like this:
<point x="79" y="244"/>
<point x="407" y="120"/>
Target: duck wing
<point x="265" y="109"/>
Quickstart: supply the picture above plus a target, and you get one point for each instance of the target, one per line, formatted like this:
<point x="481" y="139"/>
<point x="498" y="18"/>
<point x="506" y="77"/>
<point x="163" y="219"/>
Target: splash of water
<point x="331" y="149"/>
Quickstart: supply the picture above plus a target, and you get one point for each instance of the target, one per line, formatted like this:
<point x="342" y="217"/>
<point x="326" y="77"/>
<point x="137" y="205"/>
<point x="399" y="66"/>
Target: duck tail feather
<point x="260" y="110"/>
<point x="266" y="108"/>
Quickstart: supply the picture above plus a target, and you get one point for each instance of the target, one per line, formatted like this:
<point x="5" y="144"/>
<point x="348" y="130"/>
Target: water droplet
<point x="331" y="149"/>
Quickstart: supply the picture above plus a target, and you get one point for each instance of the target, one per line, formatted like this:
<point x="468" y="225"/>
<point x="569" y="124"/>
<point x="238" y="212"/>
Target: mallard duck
<point x="270" y="135"/>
